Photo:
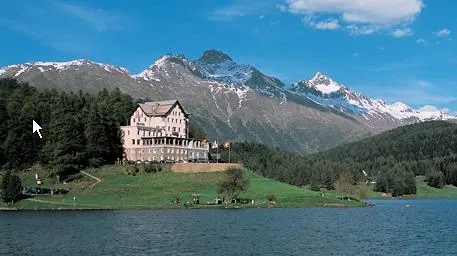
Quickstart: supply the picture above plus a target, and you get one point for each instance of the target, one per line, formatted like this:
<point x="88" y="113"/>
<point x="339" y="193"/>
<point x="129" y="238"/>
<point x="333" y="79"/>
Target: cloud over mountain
<point x="362" y="17"/>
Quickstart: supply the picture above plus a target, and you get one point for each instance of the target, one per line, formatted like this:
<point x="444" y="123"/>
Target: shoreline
<point x="236" y="207"/>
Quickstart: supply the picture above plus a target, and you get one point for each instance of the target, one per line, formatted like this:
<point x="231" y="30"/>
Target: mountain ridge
<point x="234" y="101"/>
<point x="213" y="66"/>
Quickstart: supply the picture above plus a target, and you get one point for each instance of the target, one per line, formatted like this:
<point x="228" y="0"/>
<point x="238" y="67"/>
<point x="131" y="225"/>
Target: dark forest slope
<point x="392" y="159"/>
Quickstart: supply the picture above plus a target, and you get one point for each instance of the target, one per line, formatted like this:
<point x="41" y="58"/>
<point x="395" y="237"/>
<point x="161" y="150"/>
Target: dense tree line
<point x="79" y="130"/>
<point x="392" y="159"/>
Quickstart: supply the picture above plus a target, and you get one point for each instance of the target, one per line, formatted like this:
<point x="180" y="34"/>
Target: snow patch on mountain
<point x="147" y="75"/>
<point x="227" y="72"/>
<point x="3" y="70"/>
<point x="332" y="95"/>
<point x="59" y="66"/>
<point x="323" y="84"/>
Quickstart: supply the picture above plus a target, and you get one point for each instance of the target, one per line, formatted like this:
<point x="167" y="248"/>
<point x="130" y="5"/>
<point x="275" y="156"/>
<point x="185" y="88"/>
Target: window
<point x="145" y="119"/>
<point x="133" y="142"/>
<point x="172" y="120"/>
<point x="138" y="142"/>
<point x="168" y="128"/>
<point x="168" y="119"/>
<point x="138" y="132"/>
<point x="179" y="120"/>
<point x="128" y="132"/>
<point x="179" y="129"/>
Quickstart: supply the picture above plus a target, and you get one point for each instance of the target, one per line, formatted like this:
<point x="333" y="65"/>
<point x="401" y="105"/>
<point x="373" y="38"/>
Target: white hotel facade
<point x="159" y="131"/>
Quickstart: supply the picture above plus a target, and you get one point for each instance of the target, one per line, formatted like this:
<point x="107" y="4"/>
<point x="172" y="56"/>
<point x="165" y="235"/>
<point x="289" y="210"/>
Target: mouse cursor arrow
<point x="37" y="128"/>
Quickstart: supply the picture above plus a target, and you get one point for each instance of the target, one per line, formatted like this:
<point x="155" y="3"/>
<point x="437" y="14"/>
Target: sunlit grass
<point x="156" y="190"/>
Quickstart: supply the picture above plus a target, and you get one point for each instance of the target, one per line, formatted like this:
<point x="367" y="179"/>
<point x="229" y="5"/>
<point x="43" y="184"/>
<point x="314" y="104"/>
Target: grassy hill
<point x="392" y="158"/>
<point x="155" y="190"/>
<point x="424" y="191"/>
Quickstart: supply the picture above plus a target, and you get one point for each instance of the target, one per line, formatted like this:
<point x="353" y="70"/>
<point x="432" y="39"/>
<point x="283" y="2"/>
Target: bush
<point x="152" y="168"/>
<point x="136" y="169"/>
<point x="435" y="179"/>
<point x="314" y="185"/>
<point x="271" y="198"/>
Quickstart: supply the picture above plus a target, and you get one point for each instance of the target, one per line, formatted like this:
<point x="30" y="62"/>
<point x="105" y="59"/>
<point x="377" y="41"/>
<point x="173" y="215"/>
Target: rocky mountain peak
<point x="323" y="84"/>
<point x="214" y="57"/>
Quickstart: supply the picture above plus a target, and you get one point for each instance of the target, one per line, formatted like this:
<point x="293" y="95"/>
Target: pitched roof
<point x="160" y="108"/>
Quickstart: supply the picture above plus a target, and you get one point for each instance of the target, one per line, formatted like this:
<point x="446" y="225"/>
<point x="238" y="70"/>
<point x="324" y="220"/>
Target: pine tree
<point x="65" y="149"/>
<point x="11" y="187"/>
<point x="103" y="141"/>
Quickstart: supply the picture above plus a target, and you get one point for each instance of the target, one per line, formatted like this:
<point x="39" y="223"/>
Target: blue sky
<point x="397" y="50"/>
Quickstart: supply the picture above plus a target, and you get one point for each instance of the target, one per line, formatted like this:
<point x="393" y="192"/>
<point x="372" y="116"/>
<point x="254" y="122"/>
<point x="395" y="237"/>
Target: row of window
<point x="163" y="158"/>
<point x="138" y="120"/>
<point x="159" y="141"/>
<point x="173" y="129"/>
<point x="176" y="113"/>
<point x="173" y="120"/>
<point x="168" y="151"/>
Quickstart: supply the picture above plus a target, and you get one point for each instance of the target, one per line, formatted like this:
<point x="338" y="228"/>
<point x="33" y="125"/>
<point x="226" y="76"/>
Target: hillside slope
<point x="392" y="159"/>
<point x="155" y="190"/>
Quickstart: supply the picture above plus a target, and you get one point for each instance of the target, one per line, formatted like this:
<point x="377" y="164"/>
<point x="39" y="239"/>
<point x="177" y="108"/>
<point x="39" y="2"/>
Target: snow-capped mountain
<point x="58" y="66"/>
<point x="216" y="66"/>
<point x="330" y="94"/>
<point x="237" y="101"/>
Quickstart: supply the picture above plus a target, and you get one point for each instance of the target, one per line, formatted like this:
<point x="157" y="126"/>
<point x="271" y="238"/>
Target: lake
<point x="429" y="227"/>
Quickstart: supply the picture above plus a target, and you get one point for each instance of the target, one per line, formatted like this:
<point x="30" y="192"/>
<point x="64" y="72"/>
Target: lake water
<point x="427" y="228"/>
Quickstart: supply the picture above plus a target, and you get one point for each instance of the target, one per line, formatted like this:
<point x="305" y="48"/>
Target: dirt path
<point x="202" y="167"/>
<point x="93" y="177"/>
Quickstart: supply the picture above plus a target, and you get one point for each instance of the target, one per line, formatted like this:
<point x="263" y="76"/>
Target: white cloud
<point x="443" y="32"/>
<point x="325" y="25"/>
<point x="240" y="9"/>
<point x="401" y="32"/>
<point x="421" y="41"/>
<point x="431" y="108"/>
<point x="282" y="7"/>
<point x="361" y="17"/>
<point x="355" y="54"/>
<point x="261" y="17"/>
<point x="99" y="19"/>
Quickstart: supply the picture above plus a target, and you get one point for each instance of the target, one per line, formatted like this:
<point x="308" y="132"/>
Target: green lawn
<point x="424" y="191"/>
<point x="155" y="190"/>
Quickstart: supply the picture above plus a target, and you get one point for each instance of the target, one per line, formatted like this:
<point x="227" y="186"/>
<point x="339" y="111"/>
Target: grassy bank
<point x="155" y="190"/>
<point x="424" y="191"/>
